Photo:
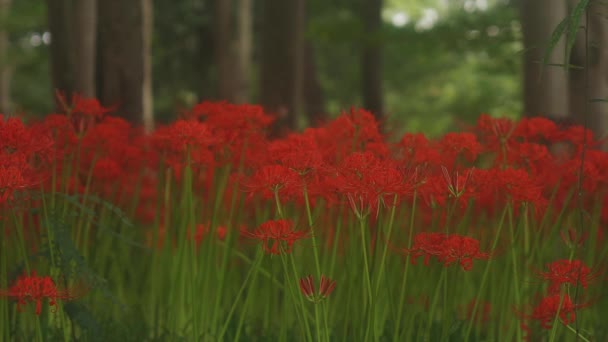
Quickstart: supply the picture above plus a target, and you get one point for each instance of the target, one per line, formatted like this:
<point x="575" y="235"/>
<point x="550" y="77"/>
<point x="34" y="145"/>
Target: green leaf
<point x="571" y="24"/>
<point x="575" y="20"/>
<point x="555" y="37"/>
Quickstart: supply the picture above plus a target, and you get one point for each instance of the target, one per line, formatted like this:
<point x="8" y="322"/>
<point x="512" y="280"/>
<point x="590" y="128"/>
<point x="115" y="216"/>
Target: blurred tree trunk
<point x="121" y="57"/>
<point x="147" y="99"/>
<point x="243" y="51"/>
<point x="371" y="58"/>
<point x="62" y="71"/>
<point x="281" y="61"/>
<point x="314" y="99"/>
<point x="593" y="56"/>
<point x="84" y="45"/>
<point x="224" y="57"/>
<point x="545" y="86"/>
<point x="5" y="67"/>
<point x="73" y="27"/>
<point x="206" y="63"/>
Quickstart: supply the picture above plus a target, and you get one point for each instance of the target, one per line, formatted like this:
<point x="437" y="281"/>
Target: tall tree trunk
<point x="545" y="86"/>
<point x="147" y="99"/>
<point x="207" y="62"/>
<point x="243" y="51"/>
<point x="5" y="67"/>
<point x="314" y="100"/>
<point x="84" y="45"/>
<point x="281" y="59"/>
<point x="121" y="62"/>
<point x="371" y="58"/>
<point x="61" y="50"/>
<point x="592" y="56"/>
<point x="224" y="57"/>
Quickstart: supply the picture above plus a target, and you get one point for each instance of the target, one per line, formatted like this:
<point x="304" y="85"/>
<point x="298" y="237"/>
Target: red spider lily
<point x="369" y="182"/>
<point x="454" y="146"/>
<point x="562" y="272"/>
<point x="11" y="179"/>
<point x="326" y="287"/>
<point x="448" y="249"/>
<point x="35" y="289"/>
<point x="548" y="307"/>
<point x="537" y="129"/>
<point x="277" y="236"/>
<point x="81" y="105"/>
<point x="416" y="150"/>
<point x="496" y="133"/>
<point x="297" y="152"/>
<point x="88" y="106"/>
<point x="271" y="179"/>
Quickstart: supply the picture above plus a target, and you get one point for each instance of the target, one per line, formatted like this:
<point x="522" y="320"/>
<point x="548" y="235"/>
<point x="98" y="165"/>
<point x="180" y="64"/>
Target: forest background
<point x="426" y="66"/>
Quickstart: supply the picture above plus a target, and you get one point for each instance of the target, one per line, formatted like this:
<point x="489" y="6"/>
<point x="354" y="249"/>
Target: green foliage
<point x="31" y="82"/>
<point x="435" y="79"/>
<point x="466" y="64"/>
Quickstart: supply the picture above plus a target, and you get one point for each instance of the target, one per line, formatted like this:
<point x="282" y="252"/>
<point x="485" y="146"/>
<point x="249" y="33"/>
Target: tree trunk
<point x="147" y="99"/>
<point x="121" y="63"/>
<point x="5" y="67"/>
<point x="545" y="86"/>
<point x="280" y="66"/>
<point x="593" y="57"/>
<point x="371" y="63"/>
<point x="61" y="50"/>
<point x="314" y="101"/>
<point x="224" y="57"/>
<point x="84" y="46"/>
<point x="243" y="51"/>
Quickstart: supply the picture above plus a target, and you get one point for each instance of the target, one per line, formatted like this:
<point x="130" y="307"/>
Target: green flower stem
<point x="312" y="232"/>
<point x="434" y="305"/>
<point x="317" y="262"/>
<point x="369" y="308"/>
<point x="246" y="305"/>
<point x="278" y="204"/>
<point x="252" y="271"/>
<point x="367" y="275"/>
<point x="578" y="335"/>
<point x="484" y="278"/>
<point x="516" y="282"/>
<point x="4" y="307"/>
<point x="396" y="334"/>
<point x="301" y="308"/>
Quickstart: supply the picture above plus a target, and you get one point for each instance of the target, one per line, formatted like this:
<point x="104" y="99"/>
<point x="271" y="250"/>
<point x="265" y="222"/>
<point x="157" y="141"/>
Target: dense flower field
<point x="207" y="229"/>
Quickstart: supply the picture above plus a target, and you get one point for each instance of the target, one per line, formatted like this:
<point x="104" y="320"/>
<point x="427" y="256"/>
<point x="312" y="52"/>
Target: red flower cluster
<point x="546" y="310"/>
<point x="35" y="289"/>
<point x="448" y="249"/>
<point x="567" y="272"/>
<point x="369" y="182"/>
<point x="277" y="236"/>
<point x="25" y="156"/>
<point x="560" y="272"/>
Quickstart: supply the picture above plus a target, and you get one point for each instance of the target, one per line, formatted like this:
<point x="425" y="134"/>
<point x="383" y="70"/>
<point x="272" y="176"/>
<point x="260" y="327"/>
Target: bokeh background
<point x="426" y="66"/>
